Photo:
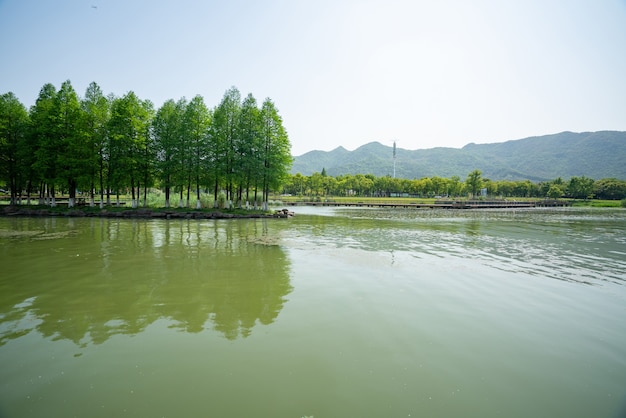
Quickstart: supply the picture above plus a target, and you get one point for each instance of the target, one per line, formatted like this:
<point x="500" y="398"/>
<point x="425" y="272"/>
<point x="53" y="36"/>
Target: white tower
<point x="394" y="159"/>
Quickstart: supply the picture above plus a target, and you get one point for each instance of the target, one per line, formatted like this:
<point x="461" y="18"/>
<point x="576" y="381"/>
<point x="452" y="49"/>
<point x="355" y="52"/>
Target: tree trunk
<point x="256" y="192"/>
<point x="215" y="193"/>
<point x="29" y="186"/>
<point x="92" y="193"/>
<point x="188" y="193"/>
<point x="198" y="202"/>
<point x="72" y="200"/>
<point x="101" y="178"/>
<point x="132" y="192"/>
<point x="53" y="201"/>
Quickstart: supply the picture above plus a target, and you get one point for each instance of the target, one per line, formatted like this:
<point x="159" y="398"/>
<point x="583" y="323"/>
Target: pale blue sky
<point x="341" y="72"/>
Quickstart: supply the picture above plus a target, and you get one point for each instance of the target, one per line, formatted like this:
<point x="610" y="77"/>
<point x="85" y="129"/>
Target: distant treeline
<point x="320" y="184"/>
<point x="105" y="145"/>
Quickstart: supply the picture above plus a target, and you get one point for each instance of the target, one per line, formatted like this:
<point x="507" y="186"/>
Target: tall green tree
<point x="610" y="188"/>
<point x="248" y="148"/>
<point x="440" y="185"/>
<point x="224" y="130"/>
<point x="167" y="131"/>
<point x="474" y="182"/>
<point x="580" y="187"/>
<point x="182" y="154"/>
<point x="14" y="122"/>
<point x="74" y="152"/>
<point x="46" y="143"/>
<point x="131" y="151"/>
<point x="455" y="186"/>
<point x="298" y="182"/>
<point x="96" y="114"/>
<point x="146" y="148"/>
<point x="276" y="151"/>
<point x="197" y="122"/>
<point x="554" y="192"/>
<point x="315" y="184"/>
<point x="115" y="168"/>
<point x="525" y="188"/>
<point x="111" y="144"/>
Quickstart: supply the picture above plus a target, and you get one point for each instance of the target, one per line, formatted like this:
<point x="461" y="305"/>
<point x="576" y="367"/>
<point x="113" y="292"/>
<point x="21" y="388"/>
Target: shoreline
<point x="143" y="213"/>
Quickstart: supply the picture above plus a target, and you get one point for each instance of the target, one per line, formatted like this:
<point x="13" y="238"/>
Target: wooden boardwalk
<point x="447" y="204"/>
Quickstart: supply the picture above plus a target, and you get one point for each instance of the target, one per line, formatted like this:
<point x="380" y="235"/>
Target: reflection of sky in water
<point x="574" y="245"/>
<point x="332" y="313"/>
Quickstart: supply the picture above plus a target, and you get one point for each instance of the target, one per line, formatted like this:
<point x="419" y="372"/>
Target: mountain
<point x="567" y="154"/>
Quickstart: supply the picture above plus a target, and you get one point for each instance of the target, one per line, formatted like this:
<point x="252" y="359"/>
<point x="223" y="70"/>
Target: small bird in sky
<point x="94" y="7"/>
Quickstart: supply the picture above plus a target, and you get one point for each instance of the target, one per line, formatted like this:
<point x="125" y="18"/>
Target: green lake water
<point x="332" y="313"/>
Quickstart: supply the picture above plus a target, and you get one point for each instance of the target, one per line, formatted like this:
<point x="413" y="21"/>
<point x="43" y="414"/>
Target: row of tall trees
<point x="109" y="145"/>
<point x="320" y="184"/>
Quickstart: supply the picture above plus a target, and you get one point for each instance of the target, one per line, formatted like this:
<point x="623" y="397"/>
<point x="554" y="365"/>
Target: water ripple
<point x="573" y="245"/>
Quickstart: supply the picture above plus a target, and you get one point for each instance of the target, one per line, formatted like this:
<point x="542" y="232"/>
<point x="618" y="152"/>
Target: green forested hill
<point x="592" y="154"/>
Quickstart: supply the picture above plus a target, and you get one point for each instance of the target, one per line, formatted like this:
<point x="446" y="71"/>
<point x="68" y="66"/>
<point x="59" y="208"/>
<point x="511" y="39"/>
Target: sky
<point x="344" y="73"/>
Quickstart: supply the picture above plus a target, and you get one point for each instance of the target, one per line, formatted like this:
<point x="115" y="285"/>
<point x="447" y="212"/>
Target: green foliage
<point x="167" y="128"/>
<point x="554" y="192"/>
<point x="580" y="187"/>
<point x="610" y="188"/>
<point x="14" y="147"/>
<point x="276" y="151"/>
<point x="196" y="124"/>
<point x="221" y="200"/>
<point x="120" y="145"/>
<point x="96" y="113"/>
<point x="73" y="148"/>
<point x="369" y="185"/>
<point x="223" y="138"/>
<point x="44" y="139"/>
<point x="249" y="164"/>
<point x="596" y="203"/>
<point x="474" y="182"/>
<point x="130" y="144"/>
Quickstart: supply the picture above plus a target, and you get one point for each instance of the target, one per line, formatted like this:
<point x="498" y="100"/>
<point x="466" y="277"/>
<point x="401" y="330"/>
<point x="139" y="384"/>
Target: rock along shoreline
<point x="138" y="213"/>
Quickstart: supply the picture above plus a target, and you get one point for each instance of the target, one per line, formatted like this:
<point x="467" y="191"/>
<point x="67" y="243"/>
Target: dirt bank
<point x="138" y="213"/>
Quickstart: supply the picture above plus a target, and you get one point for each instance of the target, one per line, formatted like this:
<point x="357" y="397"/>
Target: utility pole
<point x="394" y="159"/>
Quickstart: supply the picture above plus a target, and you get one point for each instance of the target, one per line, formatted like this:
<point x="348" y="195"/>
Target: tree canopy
<point x="368" y="185"/>
<point x="114" y="145"/>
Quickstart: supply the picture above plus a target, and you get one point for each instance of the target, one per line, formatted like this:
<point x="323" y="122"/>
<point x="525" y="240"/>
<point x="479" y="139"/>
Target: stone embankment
<point x="139" y="213"/>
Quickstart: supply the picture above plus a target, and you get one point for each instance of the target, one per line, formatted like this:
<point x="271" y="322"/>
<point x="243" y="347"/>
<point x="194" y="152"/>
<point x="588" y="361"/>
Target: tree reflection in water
<point x="112" y="277"/>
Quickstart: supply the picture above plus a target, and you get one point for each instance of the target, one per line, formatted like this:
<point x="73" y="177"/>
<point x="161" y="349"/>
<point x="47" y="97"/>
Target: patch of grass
<point x="409" y="200"/>
<point x="596" y="203"/>
<point x="357" y="199"/>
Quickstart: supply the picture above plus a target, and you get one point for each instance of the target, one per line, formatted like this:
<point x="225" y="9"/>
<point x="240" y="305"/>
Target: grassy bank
<point x="598" y="203"/>
<point x="413" y="200"/>
<point x="142" y="212"/>
<point x="156" y="202"/>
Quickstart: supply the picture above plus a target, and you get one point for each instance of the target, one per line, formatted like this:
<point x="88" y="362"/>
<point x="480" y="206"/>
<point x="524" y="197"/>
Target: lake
<point x="336" y="312"/>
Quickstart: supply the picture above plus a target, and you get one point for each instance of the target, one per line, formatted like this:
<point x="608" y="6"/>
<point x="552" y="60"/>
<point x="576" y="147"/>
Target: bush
<point x="206" y="200"/>
<point x="221" y="200"/>
<point x="623" y="203"/>
<point x="155" y="198"/>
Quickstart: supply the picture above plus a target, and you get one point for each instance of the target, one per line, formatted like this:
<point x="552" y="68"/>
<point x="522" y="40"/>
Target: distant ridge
<point x="596" y="155"/>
